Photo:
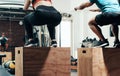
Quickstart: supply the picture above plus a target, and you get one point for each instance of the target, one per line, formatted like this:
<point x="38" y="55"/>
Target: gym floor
<point x="3" y="72"/>
<point x="74" y="73"/>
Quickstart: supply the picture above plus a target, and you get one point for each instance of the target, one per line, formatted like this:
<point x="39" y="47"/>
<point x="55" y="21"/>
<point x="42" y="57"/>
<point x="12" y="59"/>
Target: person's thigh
<point x="36" y="20"/>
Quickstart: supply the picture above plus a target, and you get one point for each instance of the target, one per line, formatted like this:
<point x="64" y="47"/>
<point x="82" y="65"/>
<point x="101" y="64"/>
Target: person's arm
<point x="27" y="4"/>
<point x="95" y="10"/>
<point x="84" y="5"/>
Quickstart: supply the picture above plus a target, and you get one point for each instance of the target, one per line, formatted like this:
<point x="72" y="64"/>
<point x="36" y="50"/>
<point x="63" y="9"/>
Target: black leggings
<point x="41" y="16"/>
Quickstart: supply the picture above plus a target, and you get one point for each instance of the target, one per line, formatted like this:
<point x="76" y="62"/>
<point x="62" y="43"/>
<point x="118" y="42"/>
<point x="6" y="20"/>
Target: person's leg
<point x="0" y="48"/>
<point x="29" y="31"/>
<point x="54" y="20"/>
<point x="28" y="26"/>
<point x="52" y="33"/>
<point x="115" y="31"/>
<point x="6" y="46"/>
<point x="96" y="29"/>
<point x="105" y="18"/>
<point x="29" y="21"/>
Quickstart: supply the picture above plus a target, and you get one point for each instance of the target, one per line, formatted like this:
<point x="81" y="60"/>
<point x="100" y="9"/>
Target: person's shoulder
<point x="92" y="1"/>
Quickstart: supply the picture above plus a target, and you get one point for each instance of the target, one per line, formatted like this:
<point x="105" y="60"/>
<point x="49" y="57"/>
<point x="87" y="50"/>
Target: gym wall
<point x="14" y="32"/>
<point x="9" y="24"/>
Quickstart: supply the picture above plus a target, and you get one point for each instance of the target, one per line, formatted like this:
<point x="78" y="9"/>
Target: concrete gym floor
<point x="74" y="73"/>
<point x="3" y="72"/>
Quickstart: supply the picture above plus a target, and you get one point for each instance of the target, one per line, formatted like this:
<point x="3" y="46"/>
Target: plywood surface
<point x="46" y="61"/>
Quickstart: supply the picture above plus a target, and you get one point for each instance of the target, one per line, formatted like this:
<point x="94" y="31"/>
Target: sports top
<point x="35" y="1"/>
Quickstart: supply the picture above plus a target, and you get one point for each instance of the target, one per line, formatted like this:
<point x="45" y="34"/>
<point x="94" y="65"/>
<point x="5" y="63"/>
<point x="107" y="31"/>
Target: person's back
<point x="107" y="5"/>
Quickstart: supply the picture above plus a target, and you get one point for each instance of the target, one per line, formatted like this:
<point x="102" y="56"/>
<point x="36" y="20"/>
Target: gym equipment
<point x="73" y="61"/>
<point x="89" y="42"/>
<point x="42" y="61"/>
<point x="98" y="62"/>
<point x="1" y="56"/>
<point x="9" y="66"/>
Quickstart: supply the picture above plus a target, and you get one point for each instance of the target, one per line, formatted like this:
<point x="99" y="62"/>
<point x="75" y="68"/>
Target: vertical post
<point x="85" y="62"/>
<point x="19" y="61"/>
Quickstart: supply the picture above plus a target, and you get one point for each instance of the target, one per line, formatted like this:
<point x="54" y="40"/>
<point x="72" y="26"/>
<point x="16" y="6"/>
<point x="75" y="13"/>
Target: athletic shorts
<point x="108" y="18"/>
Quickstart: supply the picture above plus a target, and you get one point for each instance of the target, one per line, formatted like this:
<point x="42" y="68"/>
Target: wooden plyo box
<point x="40" y="61"/>
<point x="98" y="62"/>
<point x="8" y="56"/>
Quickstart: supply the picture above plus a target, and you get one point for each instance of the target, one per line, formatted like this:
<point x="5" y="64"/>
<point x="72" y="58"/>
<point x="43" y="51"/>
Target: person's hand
<point x="79" y="8"/>
<point x="76" y="8"/>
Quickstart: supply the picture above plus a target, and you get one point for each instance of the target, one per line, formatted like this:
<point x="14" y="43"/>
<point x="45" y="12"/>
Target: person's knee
<point x="92" y="23"/>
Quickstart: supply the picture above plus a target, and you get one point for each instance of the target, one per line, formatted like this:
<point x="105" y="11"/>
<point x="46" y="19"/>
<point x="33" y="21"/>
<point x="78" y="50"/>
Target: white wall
<point x="61" y="5"/>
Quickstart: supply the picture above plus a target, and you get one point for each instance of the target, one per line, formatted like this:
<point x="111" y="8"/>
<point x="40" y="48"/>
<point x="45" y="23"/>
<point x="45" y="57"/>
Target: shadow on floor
<point x="3" y="72"/>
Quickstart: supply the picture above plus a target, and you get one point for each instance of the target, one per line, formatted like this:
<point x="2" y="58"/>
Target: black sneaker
<point x="53" y="44"/>
<point x="73" y="59"/>
<point x="116" y="45"/>
<point x="102" y="43"/>
<point x="30" y="43"/>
